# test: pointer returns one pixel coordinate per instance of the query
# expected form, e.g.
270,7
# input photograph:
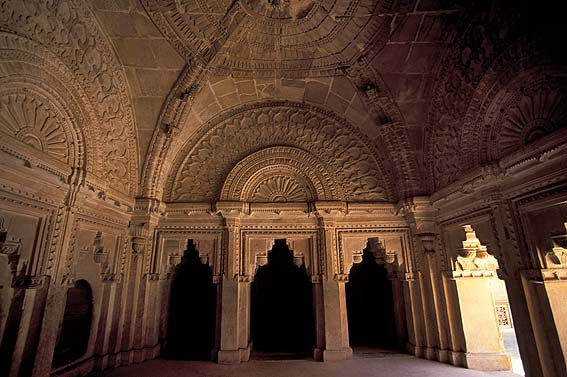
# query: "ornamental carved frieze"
339,154
70,32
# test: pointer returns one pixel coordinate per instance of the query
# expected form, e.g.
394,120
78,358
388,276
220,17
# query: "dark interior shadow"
370,305
282,308
192,310
75,329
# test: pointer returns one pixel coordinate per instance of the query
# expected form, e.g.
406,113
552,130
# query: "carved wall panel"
206,160
70,32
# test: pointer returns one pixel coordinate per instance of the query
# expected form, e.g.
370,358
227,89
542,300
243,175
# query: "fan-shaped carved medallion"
280,189
35,123
531,115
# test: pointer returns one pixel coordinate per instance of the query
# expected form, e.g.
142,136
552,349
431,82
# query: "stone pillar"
336,323
141,277
416,338
546,294
235,305
319,317
477,324
428,241
23,331
334,297
399,312
523,326
433,337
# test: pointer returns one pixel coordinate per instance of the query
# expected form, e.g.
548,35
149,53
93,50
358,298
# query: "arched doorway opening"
370,305
192,309
282,308
75,329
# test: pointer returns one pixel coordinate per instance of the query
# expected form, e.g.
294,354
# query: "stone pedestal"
476,324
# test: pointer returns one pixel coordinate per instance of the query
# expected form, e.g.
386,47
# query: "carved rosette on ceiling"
321,155
263,37
529,115
33,121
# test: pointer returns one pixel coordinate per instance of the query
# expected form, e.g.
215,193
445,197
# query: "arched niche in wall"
281,304
370,304
192,308
371,263
75,329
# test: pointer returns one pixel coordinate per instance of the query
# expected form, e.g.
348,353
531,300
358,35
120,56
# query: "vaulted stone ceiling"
431,88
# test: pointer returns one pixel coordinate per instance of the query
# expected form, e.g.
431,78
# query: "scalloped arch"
280,173
200,169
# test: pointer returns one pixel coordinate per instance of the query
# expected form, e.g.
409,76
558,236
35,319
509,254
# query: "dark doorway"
192,309
370,305
75,329
282,309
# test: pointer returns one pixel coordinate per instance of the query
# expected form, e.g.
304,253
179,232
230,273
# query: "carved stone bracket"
473,256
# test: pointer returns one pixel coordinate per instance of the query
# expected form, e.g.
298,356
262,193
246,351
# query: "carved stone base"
487,361
337,355
443,356
430,353
234,356
318,354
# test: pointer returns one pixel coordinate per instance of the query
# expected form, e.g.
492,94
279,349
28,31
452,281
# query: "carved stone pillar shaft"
473,322
546,294
235,307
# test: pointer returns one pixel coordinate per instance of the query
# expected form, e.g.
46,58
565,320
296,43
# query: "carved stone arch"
516,113
39,84
351,249
258,246
90,64
280,174
393,137
201,167
465,91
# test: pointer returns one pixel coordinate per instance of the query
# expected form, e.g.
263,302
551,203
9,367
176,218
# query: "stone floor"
364,364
